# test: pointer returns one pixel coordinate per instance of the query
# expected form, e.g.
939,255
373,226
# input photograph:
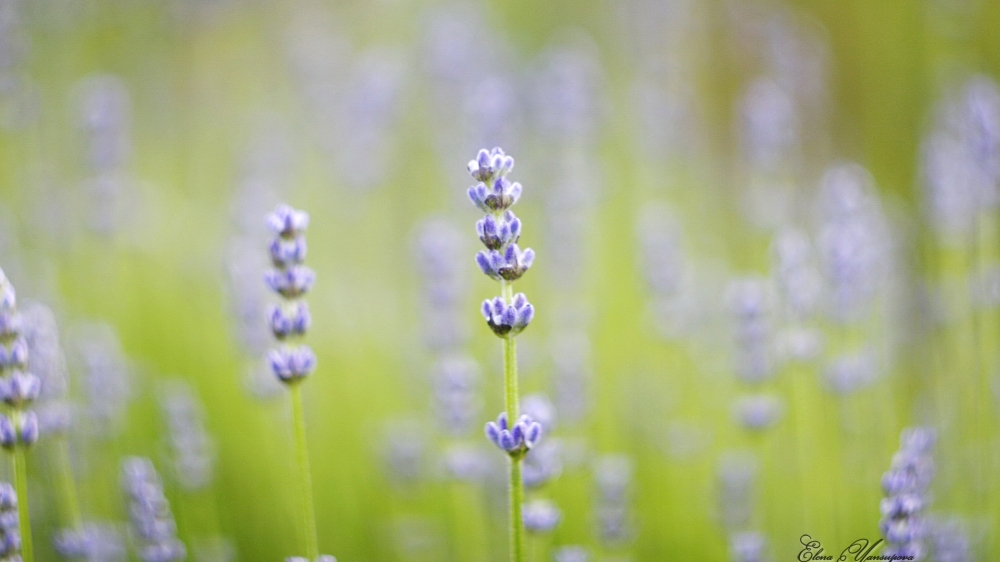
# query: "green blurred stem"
517,552
20,470
305,477
65,473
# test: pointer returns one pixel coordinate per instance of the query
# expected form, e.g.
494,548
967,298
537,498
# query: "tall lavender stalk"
293,361
507,315
18,389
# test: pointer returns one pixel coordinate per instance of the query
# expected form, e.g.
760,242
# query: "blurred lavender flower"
949,540
369,110
105,109
48,362
852,372
906,494
106,376
193,449
152,523
758,412
613,475
798,281
571,554
539,408
541,516
456,394
750,304
515,440
95,542
961,158
737,475
571,376
439,251
853,241
466,463
748,546
10,533
543,463
403,451
567,101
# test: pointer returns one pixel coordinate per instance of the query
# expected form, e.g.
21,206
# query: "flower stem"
65,474
307,512
20,470
517,552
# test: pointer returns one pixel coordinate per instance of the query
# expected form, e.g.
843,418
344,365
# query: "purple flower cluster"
500,230
906,494
10,532
18,388
516,440
152,523
290,279
508,319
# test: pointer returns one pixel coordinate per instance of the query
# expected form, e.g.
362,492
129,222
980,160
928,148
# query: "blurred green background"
143,141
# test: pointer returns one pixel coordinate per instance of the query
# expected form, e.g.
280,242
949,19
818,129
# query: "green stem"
65,473
305,477
517,551
20,470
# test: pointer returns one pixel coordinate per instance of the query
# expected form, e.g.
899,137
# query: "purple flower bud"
11,324
8,434
508,320
292,282
286,252
495,233
20,388
287,222
8,497
291,364
28,430
516,441
291,320
490,165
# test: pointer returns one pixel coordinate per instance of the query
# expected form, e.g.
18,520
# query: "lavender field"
486,281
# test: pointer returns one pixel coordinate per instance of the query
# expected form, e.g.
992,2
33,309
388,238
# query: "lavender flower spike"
508,319
292,362
516,440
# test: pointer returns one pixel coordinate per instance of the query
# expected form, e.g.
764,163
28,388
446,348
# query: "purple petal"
502,420
527,258
533,434
493,433
507,441
509,316
487,310
483,261
519,301
525,315
496,261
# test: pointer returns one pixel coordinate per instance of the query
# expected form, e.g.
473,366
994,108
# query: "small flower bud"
291,364
508,320
516,440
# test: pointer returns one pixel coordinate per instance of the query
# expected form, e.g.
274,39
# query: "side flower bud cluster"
500,231
18,388
152,522
10,531
906,494
291,279
516,440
